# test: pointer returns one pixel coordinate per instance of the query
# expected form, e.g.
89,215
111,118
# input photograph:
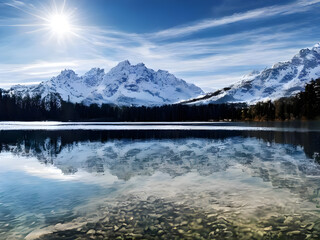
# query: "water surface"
207,180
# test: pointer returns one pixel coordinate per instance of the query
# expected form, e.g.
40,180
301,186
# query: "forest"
304,105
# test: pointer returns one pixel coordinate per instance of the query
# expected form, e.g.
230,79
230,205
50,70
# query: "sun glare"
59,24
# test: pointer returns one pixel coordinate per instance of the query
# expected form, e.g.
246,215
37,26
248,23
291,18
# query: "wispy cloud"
15,3
209,61
208,57
33,73
266,12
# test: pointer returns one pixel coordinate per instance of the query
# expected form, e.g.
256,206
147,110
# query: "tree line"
305,105
17,108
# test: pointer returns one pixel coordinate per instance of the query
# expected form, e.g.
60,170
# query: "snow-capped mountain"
124,84
283,79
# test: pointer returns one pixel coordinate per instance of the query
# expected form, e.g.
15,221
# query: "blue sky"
209,43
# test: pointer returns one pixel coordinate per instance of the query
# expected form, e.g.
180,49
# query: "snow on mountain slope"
283,79
125,84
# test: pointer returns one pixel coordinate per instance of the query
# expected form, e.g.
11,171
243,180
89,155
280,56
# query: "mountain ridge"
283,79
124,85
137,85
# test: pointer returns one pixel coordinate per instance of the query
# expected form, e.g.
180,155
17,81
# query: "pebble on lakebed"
159,219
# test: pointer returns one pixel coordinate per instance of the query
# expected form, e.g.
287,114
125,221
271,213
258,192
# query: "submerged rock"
162,219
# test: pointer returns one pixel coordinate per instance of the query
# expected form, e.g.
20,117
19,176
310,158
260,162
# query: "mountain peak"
95,71
316,47
124,63
283,79
125,84
121,66
67,73
140,65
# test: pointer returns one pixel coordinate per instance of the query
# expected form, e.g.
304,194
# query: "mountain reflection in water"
183,184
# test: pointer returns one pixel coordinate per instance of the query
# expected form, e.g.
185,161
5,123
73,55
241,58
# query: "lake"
159,180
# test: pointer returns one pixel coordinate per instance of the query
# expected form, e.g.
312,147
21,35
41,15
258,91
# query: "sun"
59,24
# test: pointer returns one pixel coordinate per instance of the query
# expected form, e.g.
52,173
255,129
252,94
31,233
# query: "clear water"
212,180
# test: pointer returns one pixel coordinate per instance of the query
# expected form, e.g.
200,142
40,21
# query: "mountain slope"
124,84
283,79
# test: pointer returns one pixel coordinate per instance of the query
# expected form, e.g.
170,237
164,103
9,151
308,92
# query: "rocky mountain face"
125,84
137,85
283,79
